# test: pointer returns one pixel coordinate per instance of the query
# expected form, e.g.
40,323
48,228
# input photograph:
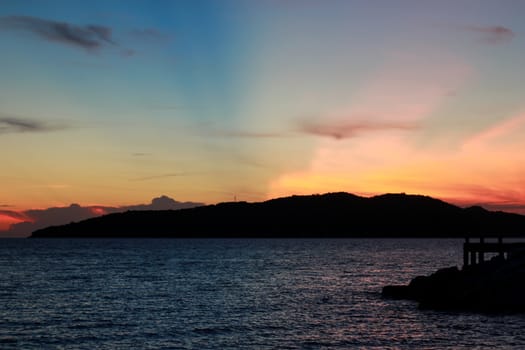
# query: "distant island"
330,215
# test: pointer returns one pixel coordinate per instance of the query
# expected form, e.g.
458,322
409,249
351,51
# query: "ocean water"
231,294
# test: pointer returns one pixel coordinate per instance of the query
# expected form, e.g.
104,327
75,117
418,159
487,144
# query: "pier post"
474,252
473,258
465,252
481,252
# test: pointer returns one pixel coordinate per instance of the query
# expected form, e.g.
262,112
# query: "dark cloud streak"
335,129
14,214
89,37
349,129
22,125
493,34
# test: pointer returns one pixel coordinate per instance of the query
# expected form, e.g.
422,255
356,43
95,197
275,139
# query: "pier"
474,252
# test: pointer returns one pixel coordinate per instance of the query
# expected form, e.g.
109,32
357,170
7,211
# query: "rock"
494,286
397,292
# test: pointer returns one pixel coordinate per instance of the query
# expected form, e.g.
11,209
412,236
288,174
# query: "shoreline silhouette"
492,286
330,215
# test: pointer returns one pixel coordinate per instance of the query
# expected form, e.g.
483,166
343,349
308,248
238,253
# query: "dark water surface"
231,294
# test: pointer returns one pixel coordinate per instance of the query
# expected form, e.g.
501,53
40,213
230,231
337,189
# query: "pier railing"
474,252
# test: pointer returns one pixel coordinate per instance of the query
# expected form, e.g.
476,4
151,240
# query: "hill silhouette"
323,215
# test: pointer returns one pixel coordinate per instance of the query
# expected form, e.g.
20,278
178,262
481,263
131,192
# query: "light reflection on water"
220,294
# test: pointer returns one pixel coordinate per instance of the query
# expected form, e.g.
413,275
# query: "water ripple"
231,294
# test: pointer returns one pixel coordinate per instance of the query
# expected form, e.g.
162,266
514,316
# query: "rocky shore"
497,286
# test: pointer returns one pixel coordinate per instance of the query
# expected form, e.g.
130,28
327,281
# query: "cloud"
335,129
491,199
493,34
163,203
20,125
501,130
510,207
89,37
35,219
348,129
14,214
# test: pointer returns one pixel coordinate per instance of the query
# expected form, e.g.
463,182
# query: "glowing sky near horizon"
117,102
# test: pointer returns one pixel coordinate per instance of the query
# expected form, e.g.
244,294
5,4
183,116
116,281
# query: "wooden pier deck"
474,252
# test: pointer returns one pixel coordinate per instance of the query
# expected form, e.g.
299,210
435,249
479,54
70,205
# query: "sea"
232,294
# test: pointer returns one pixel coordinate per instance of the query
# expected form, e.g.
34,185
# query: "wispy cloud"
88,37
491,199
493,34
334,129
14,214
20,125
348,129
500,130
512,207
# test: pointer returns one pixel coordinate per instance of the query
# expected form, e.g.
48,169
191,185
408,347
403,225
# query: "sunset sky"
112,103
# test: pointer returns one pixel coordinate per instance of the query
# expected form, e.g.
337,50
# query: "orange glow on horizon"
6,221
98,211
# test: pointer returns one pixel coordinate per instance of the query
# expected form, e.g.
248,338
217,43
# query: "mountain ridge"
334,214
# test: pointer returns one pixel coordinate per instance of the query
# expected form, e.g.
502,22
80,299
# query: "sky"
106,104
